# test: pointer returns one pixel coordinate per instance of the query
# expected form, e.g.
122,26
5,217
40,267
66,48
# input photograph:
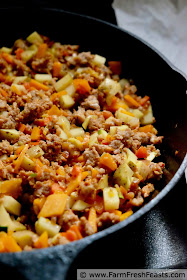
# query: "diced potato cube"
70,90
27,55
131,156
80,205
64,123
18,226
78,144
20,79
23,237
110,86
28,164
11,205
124,82
99,60
124,117
64,82
66,101
148,116
78,131
43,224
93,139
113,129
9,134
143,169
102,133
111,199
123,175
63,135
6,50
86,122
34,38
152,155
103,182
137,113
35,152
6,221
43,77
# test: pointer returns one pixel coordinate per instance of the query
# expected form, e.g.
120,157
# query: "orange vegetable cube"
82,86
54,205
42,241
108,161
11,187
35,134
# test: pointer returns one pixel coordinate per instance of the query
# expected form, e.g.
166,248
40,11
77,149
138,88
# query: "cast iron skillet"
153,75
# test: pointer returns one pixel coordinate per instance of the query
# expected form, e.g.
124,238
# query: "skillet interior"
151,73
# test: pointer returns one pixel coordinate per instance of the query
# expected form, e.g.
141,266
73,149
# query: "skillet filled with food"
78,146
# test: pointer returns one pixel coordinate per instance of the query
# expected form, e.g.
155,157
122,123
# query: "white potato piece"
111,199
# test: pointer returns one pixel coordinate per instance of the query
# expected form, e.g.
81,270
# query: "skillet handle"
46,264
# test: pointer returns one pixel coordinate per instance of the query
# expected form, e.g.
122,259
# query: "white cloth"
162,23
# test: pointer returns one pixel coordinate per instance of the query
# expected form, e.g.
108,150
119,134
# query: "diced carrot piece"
18,53
82,86
126,215
94,173
92,218
3,92
18,150
22,127
84,174
8,57
57,66
142,152
60,171
108,161
73,184
144,100
57,95
56,188
71,235
16,90
54,205
76,229
34,143
76,170
116,212
10,244
35,134
38,204
11,187
19,160
146,128
107,114
80,158
115,67
42,241
41,50
38,85
127,113
2,247
54,111
131,100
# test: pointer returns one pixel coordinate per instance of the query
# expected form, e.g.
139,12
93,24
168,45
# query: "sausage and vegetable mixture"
77,145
